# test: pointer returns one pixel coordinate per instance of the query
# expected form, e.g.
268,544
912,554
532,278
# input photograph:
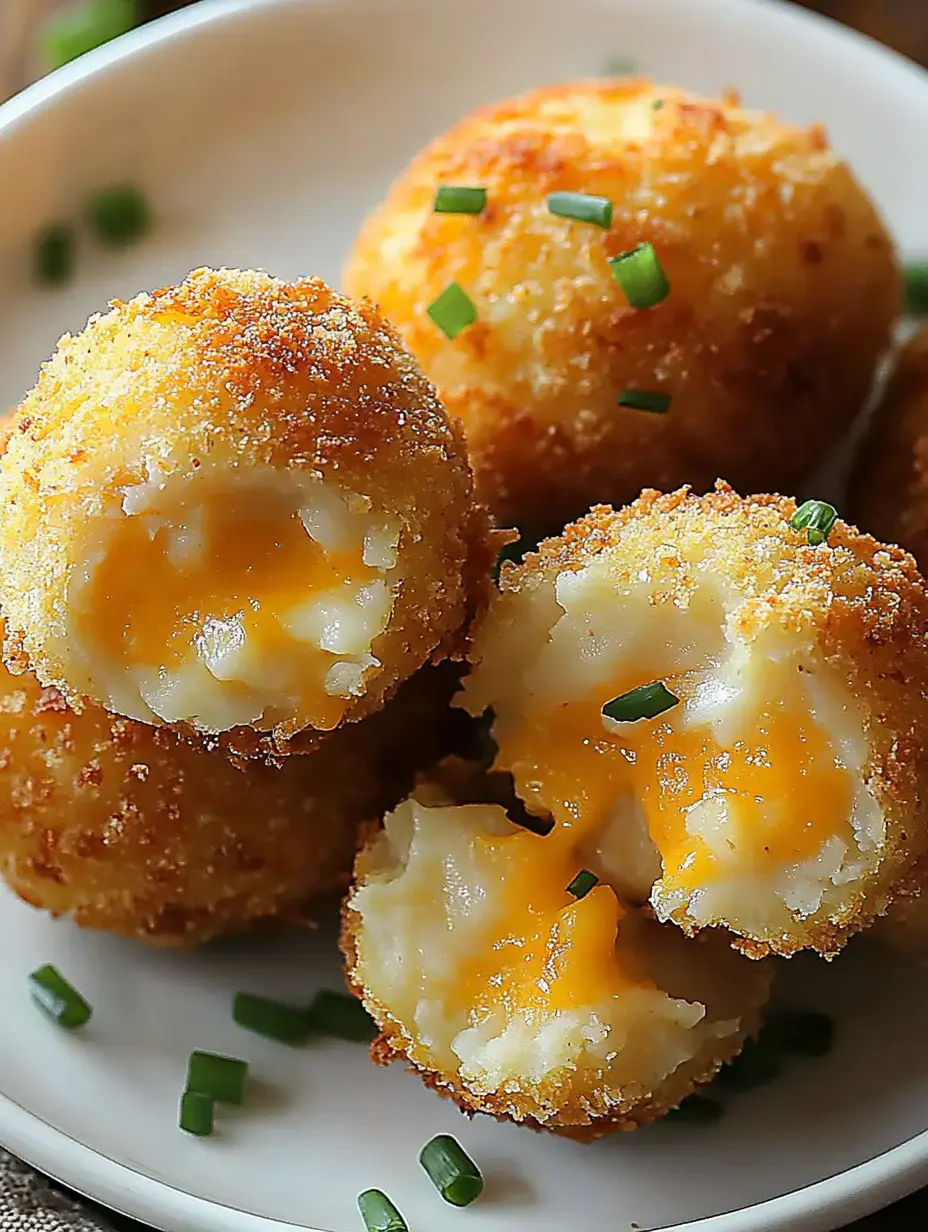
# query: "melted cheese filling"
744,804
222,599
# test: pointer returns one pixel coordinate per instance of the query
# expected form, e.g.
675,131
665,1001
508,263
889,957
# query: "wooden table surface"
902,24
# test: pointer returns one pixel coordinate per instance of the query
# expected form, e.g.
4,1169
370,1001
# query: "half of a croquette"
770,779
236,504
121,826
505,991
783,289
889,487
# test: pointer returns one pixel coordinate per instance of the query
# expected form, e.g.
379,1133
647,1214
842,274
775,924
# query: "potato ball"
889,488
724,719
121,826
558,1008
783,287
235,504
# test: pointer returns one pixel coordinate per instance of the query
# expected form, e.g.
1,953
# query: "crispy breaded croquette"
770,780
121,826
235,504
505,991
783,288
904,927
889,487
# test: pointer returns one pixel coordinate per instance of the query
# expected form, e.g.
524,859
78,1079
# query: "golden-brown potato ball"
783,287
235,504
723,719
121,826
516,997
889,487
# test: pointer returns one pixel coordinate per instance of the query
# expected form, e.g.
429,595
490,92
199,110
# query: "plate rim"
848,1194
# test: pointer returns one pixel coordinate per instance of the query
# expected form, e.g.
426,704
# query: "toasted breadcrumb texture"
784,286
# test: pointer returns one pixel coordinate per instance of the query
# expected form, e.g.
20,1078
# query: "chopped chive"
657,104
451,1170
645,702
581,207
645,400
53,255
582,883
641,276
809,1034
818,518
916,289
118,216
196,1113
453,311
759,1061
221,1078
619,66
696,1110
340,1016
270,1018
455,199
379,1213
70,34
519,815
57,999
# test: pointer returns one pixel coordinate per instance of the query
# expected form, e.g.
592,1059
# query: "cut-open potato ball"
728,721
121,826
235,503
783,288
517,998
889,488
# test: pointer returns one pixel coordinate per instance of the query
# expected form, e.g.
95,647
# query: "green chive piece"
451,1170
818,518
809,1034
340,1016
581,207
582,883
456,199
916,289
657,105
221,1078
53,255
620,66
379,1213
641,276
196,1113
645,702
70,34
57,999
696,1110
453,311
759,1062
645,400
271,1018
118,216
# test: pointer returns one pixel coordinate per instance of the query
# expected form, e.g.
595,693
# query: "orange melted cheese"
147,608
784,790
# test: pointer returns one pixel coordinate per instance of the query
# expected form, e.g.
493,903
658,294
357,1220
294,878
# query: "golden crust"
784,288
865,603
121,827
889,487
248,371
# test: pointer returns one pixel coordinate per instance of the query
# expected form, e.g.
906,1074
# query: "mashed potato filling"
221,598
467,939
744,805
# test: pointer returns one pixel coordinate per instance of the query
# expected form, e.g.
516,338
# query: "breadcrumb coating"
784,286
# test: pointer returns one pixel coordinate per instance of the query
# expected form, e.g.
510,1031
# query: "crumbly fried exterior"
242,370
866,605
889,488
122,827
594,1113
784,286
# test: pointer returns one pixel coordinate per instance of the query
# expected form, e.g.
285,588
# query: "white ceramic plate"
261,133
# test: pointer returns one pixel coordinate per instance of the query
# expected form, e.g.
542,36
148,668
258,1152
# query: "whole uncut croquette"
783,289
724,719
236,506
